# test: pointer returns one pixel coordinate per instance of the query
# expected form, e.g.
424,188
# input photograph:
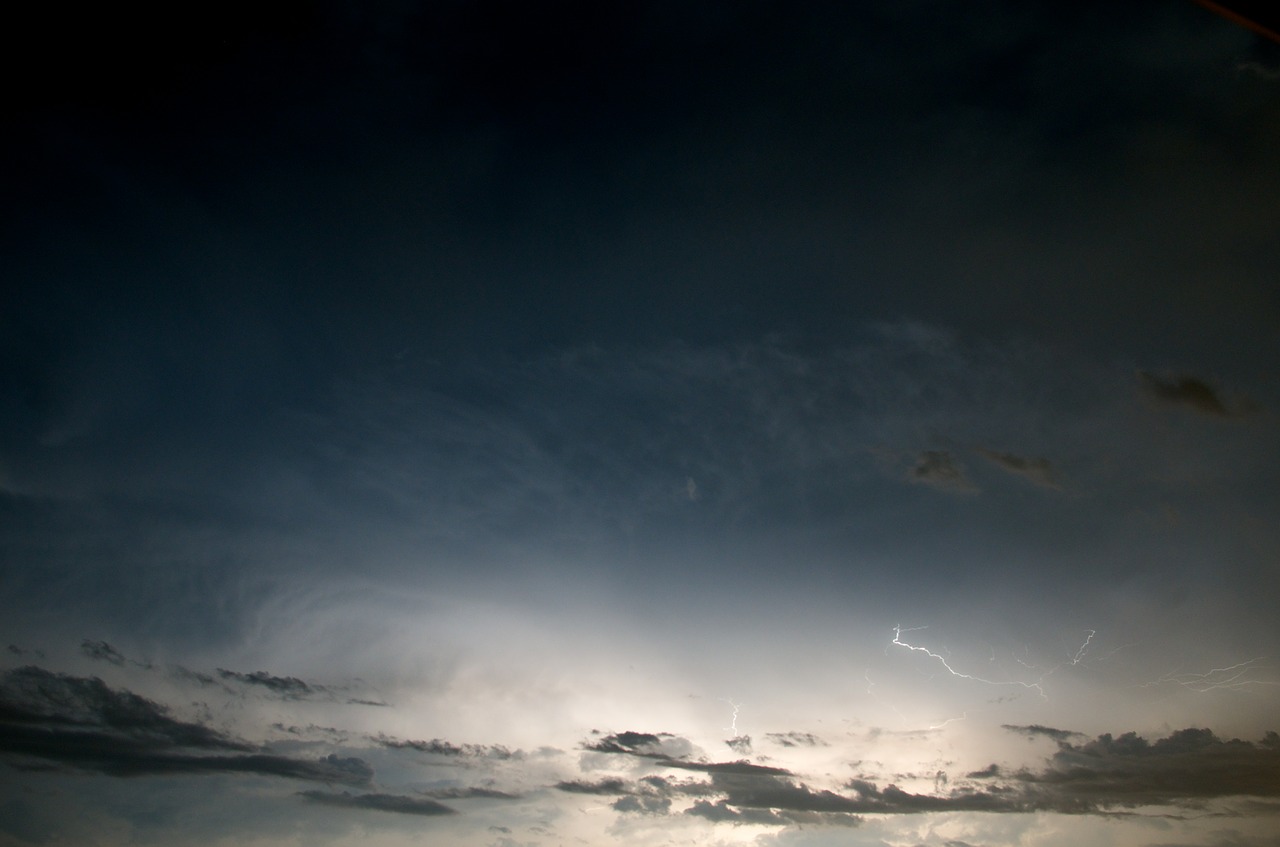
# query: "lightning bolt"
897,640
963,716
1231,678
733,719
1084,646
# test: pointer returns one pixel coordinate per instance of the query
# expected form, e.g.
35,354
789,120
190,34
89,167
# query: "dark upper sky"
541,369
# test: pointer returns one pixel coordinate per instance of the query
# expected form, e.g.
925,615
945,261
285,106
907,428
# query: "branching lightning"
1237,677
897,640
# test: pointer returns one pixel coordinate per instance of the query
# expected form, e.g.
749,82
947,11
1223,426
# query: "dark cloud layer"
1128,770
82,723
439,747
286,687
380,802
1097,776
1034,730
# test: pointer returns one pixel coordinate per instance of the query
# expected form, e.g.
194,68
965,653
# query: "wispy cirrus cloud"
1033,468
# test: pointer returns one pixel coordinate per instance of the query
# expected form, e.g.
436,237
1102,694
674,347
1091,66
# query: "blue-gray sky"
508,424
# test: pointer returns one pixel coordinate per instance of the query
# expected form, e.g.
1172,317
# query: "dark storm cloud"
773,801
32,696
1097,777
1037,470
439,747
397,803
796,739
1128,770
631,743
82,723
740,744
941,470
285,687
1035,730
604,786
312,732
101,651
1180,390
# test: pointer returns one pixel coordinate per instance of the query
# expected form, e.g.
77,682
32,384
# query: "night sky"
522,425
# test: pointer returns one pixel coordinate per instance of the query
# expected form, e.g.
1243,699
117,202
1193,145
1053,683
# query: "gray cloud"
740,744
1037,470
1034,730
941,470
1181,390
286,687
380,802
102,651
440,747
796,739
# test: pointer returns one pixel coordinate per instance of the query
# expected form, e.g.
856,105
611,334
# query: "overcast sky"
528,424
